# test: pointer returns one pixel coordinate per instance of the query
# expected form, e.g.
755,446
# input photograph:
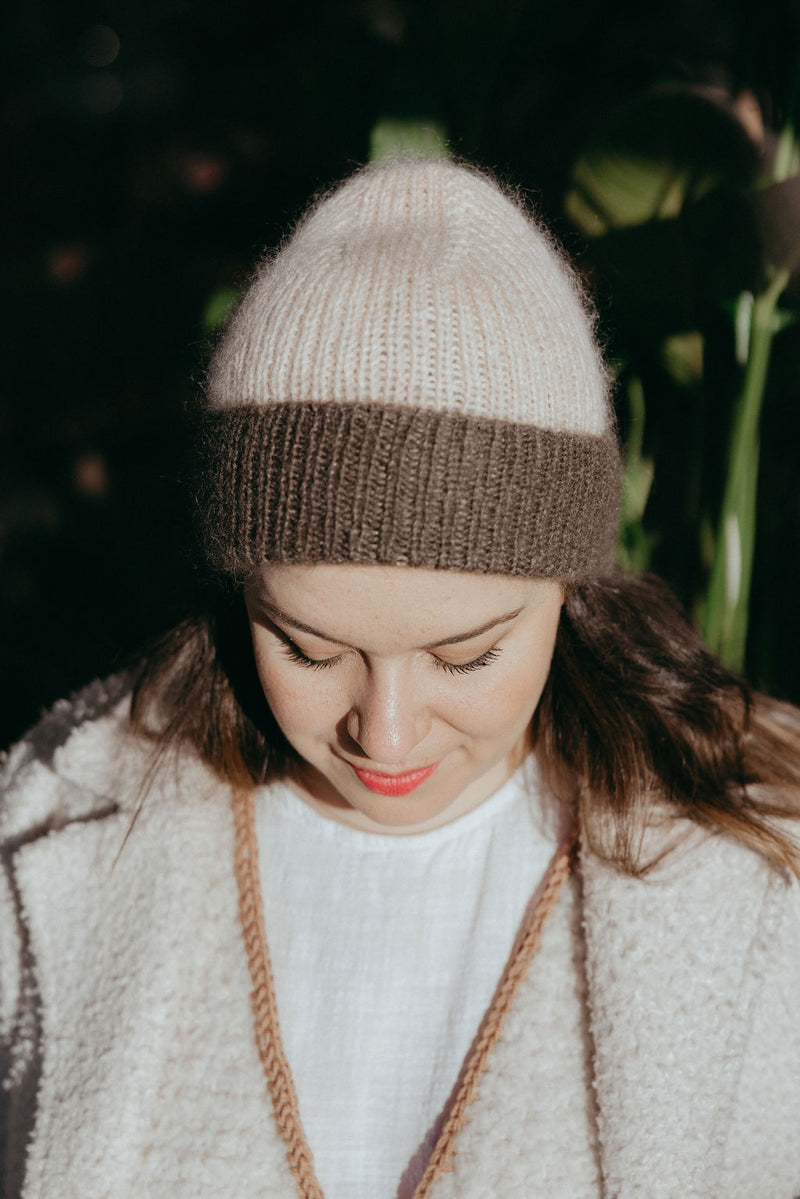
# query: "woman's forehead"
427,605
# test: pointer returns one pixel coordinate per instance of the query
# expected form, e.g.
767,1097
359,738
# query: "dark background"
153,149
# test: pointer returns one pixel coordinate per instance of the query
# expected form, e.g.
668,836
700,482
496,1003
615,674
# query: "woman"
503,856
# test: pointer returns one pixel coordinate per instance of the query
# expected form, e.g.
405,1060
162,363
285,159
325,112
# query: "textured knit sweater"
672,1068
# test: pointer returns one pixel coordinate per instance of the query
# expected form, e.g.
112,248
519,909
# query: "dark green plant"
680,216
758,319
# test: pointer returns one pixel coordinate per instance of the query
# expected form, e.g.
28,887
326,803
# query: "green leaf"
391,136
218,308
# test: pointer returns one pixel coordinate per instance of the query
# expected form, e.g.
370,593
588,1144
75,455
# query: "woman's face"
407,693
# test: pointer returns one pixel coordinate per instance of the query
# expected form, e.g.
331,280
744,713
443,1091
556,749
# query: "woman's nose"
388,718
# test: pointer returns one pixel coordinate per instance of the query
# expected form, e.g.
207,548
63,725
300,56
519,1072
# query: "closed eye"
484,659
295,654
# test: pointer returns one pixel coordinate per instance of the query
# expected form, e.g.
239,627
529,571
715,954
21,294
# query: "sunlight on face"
407,693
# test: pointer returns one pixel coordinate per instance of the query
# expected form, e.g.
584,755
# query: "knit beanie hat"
412,380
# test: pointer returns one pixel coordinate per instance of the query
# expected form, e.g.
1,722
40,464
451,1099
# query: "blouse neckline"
524,785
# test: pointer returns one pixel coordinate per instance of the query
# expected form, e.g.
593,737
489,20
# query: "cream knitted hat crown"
412,380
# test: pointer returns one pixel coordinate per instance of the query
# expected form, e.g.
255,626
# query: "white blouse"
386,950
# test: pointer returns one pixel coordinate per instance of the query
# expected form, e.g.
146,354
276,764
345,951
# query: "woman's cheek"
302,706
482,711
285,705
281,691
285,697
509,704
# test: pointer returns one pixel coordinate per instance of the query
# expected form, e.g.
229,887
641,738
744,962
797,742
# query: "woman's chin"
362,802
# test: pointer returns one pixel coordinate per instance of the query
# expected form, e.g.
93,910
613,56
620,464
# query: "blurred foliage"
668,191
220,304
724,610
157,147
636,543
389,136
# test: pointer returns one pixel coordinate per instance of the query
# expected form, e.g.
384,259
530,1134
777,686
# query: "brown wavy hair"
637,716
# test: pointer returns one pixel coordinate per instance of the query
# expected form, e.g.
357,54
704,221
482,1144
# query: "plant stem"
729,588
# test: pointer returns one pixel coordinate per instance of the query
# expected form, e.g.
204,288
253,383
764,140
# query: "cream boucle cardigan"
127,1029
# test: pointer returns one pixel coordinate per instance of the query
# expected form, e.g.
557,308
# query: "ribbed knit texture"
361,483
413,379
418,283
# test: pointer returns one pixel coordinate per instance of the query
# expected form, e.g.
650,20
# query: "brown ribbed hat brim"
328,482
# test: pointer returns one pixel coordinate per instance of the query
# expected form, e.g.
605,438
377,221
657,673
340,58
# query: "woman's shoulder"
78,761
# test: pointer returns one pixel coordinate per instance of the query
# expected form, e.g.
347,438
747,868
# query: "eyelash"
484,659
296,655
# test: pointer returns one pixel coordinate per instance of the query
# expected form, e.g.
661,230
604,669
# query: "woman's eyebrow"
277,613
484,628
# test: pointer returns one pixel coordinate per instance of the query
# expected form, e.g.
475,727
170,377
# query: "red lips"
393,784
